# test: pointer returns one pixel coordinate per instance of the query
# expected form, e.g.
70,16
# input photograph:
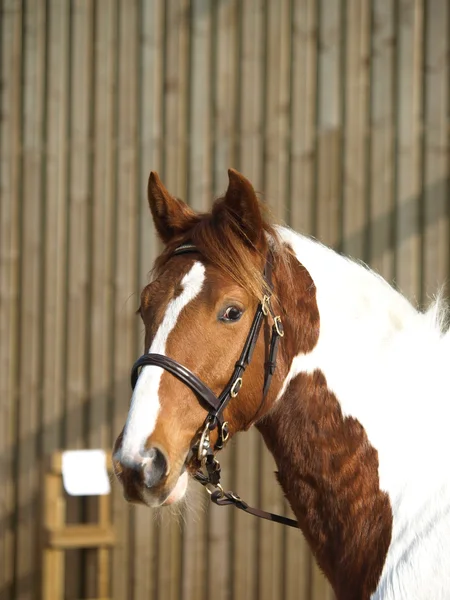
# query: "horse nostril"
155,468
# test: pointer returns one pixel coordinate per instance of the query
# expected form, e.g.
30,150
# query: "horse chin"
178,491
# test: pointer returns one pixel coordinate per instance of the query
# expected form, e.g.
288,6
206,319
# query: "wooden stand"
59,536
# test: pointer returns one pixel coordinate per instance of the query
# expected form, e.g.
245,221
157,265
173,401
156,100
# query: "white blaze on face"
145,403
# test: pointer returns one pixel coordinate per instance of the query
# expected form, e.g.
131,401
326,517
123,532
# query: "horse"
248,323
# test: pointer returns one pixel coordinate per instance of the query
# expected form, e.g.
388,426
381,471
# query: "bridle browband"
216,405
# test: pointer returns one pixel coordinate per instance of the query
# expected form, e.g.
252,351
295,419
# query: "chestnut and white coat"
361,392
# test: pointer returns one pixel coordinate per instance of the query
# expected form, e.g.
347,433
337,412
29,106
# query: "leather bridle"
216,405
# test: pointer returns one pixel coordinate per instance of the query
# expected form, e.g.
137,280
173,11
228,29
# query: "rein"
210,479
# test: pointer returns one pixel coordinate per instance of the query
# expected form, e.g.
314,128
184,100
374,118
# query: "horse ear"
241,200
170,215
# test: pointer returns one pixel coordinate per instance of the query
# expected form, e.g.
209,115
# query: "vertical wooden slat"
79,198
151,126
27,552
329,125
437,142
56,180
243,476
303,114
10,144
78,266
224,92
276,145
277,93
382,172
101,264
355,238
199,178
55,234
126,261
101,267
251,94
53,558
409,151
176,82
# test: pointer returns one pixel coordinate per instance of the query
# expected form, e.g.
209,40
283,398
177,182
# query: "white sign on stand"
84,473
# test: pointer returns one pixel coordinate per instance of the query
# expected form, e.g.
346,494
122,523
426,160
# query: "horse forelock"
221,241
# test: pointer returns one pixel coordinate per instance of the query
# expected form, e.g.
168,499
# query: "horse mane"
222,241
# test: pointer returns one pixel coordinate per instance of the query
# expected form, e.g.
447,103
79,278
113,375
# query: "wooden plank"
102,235
199,176
276,189
327,226
224,115
409,151
125,266
176,86
28,459
100,268
194,550
55,236
10,146
79,254
79,198
151,128
56,181
277,94
104,555
303,115
54,509
437,142
80,536
356,98
382,165
251,93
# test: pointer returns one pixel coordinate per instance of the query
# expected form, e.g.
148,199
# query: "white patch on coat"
145,403
388,366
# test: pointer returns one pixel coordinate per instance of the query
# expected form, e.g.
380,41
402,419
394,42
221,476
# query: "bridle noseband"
217,404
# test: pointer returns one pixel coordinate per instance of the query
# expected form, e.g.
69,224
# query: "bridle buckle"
235,389
204,443
278,326
265,304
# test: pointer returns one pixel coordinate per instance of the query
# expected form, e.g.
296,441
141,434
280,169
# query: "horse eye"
232,313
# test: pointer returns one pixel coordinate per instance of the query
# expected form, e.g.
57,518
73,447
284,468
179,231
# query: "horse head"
198,311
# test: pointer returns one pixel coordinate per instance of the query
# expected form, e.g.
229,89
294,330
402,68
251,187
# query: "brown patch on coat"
329,473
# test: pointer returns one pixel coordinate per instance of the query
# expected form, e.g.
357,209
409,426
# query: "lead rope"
222,498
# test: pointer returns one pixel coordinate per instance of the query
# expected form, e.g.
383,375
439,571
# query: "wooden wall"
337,110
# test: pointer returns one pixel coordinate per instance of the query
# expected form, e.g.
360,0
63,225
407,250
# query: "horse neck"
331,424
328,473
